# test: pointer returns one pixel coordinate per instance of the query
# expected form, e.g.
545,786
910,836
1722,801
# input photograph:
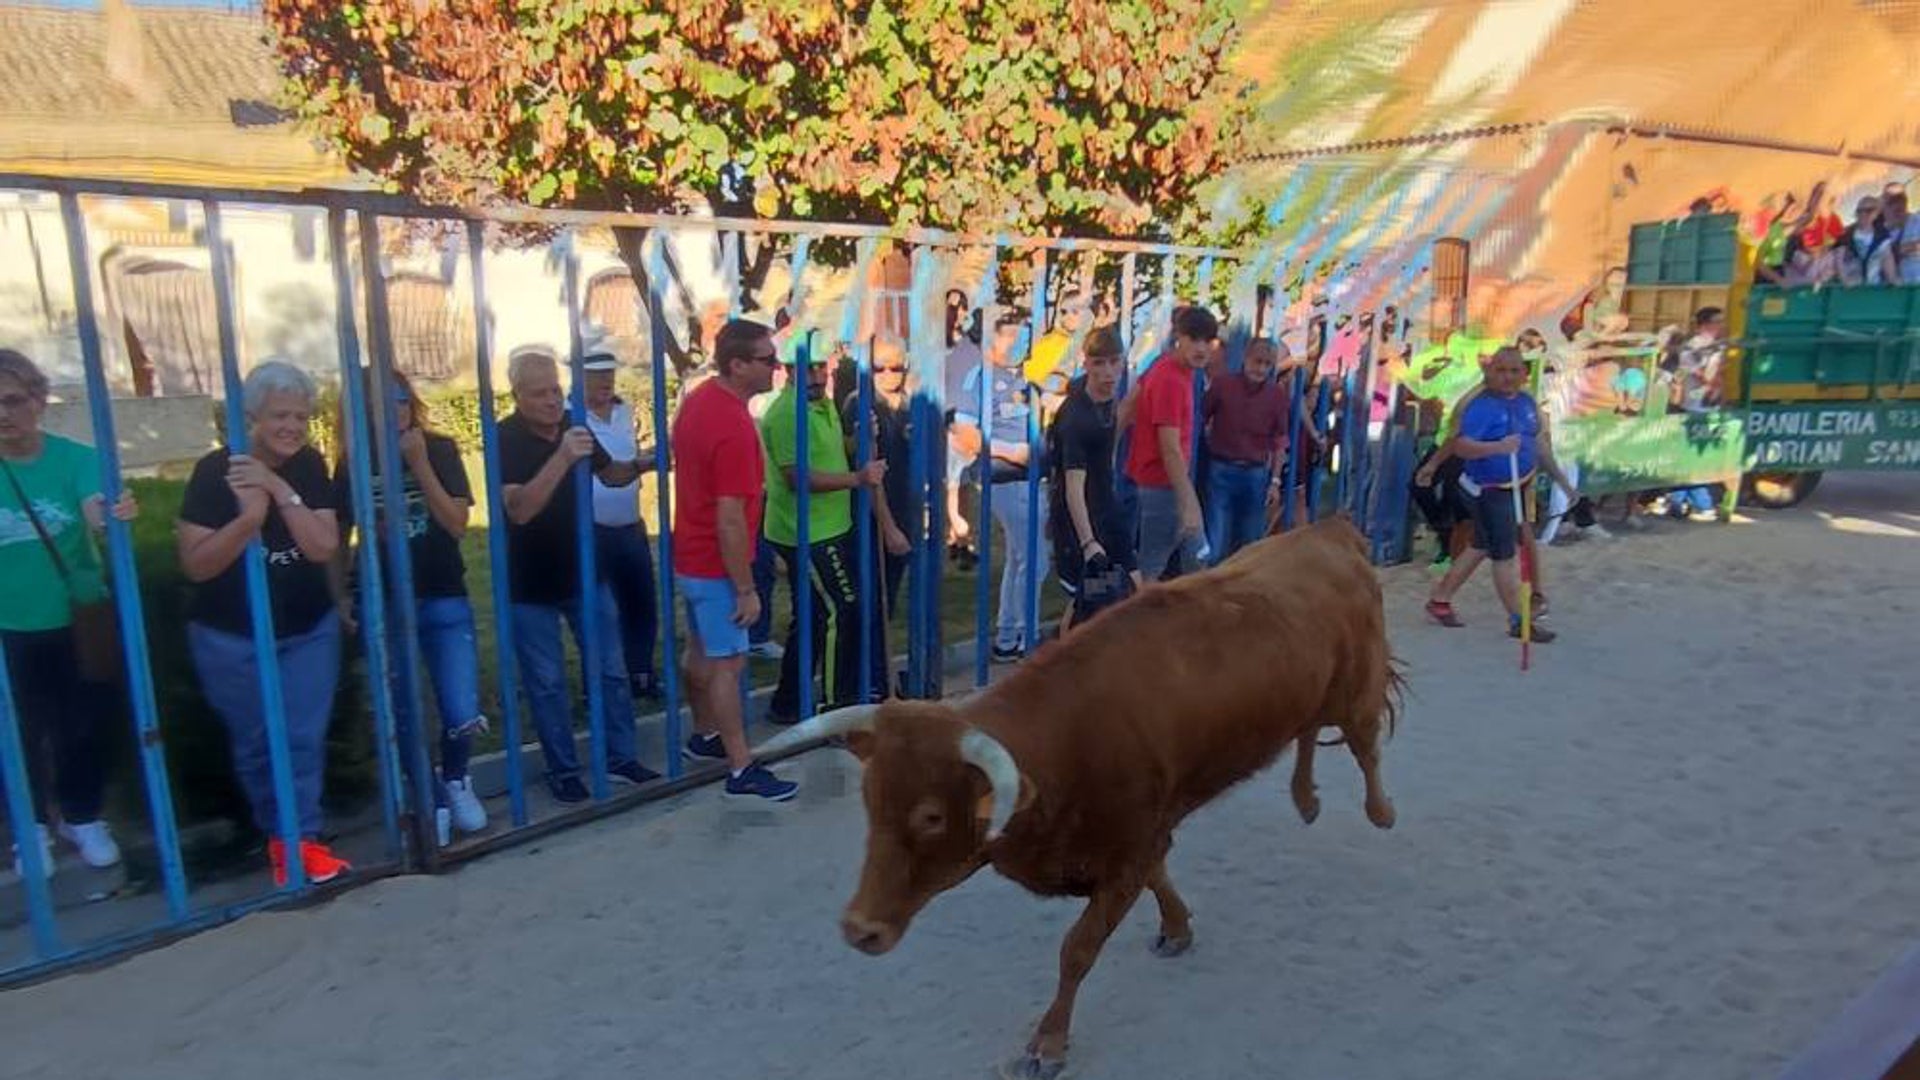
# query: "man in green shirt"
833,551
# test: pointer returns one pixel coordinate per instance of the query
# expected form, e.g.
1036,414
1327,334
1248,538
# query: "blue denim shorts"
710,606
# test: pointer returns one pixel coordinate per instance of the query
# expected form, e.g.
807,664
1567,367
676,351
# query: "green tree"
1084,117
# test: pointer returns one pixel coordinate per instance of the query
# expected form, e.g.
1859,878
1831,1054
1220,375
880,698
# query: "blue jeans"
1014,511
1236,506
626,559
229,675
1160,539
1699,499
450,652
536,632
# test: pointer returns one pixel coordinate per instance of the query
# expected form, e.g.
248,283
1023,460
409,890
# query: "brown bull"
1070,775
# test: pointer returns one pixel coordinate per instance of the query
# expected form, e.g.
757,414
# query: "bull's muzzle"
870,937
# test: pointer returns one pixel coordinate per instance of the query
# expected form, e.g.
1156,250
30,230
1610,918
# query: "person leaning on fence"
832,566
892,446
1092,540
621,546
1158,457
1246,417
1499,427
439,499
50,626
719,484
1011,399
538,452
279,493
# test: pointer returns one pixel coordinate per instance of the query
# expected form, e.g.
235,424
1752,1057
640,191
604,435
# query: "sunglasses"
15,401
894,369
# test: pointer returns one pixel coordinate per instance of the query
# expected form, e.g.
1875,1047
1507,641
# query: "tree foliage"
1082,117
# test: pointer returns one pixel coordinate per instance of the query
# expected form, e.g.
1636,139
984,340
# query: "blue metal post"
662,468
259,603
983,302
862,453
928,467
26,834
1296,424
863,515
591,647
373,596
803,538
1031,594
504,656
126,576
386,444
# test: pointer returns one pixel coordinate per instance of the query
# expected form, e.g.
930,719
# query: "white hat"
596,350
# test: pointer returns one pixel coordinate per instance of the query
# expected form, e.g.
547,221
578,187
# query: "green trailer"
1829,379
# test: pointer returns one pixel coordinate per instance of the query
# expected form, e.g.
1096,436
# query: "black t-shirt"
543,555
438,569
1082,438
296,588
892,443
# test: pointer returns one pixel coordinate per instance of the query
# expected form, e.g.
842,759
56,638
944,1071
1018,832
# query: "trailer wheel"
1777,490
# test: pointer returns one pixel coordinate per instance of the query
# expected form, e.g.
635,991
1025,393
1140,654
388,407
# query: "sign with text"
1639,453
1801,438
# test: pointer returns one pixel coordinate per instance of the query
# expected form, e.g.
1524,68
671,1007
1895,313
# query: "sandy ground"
1675,849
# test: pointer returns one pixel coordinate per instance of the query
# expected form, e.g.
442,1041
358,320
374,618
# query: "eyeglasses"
898,369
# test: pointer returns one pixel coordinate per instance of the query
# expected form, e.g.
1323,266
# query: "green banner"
1635,453
1826,435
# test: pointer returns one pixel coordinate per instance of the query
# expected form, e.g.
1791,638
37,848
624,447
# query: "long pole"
1526,568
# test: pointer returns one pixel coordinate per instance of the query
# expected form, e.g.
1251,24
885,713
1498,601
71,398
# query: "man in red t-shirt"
1159,456
718,475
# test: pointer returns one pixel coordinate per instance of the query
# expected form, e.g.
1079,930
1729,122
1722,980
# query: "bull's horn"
824,726
984,752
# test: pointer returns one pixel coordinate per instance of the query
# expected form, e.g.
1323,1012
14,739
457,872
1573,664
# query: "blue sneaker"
704,746
759,782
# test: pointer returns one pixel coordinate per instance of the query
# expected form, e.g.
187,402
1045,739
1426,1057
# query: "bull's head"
937,792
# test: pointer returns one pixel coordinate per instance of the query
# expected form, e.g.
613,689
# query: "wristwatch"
294,499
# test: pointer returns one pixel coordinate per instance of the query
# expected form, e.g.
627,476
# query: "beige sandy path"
1675,849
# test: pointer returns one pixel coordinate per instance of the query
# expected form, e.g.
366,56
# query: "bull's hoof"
1381,813
1309,808
1170,945
1033,1067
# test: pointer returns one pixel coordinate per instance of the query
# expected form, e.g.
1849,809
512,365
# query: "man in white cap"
620,538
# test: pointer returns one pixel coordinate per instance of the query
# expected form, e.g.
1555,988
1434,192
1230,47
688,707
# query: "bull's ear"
861,743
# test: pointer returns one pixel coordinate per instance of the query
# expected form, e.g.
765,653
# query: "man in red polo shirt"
1159,456
718,486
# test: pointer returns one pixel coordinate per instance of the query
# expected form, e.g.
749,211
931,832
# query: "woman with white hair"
49,497
277,492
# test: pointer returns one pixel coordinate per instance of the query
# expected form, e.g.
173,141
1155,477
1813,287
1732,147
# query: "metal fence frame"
385,564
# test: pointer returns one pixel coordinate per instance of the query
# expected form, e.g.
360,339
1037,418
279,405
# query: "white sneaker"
46,856
768,650
469,813
1598,531
95,842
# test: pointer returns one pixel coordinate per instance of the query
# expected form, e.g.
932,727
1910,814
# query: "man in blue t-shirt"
1498,429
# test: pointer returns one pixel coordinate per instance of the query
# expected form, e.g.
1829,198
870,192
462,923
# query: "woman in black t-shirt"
278,494
438,499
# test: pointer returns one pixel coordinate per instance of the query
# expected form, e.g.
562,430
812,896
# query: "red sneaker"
316,859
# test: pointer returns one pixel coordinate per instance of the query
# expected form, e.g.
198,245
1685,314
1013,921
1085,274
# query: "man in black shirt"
538,451
1092,543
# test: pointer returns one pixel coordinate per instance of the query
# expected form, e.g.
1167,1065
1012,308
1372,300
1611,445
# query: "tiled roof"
193,66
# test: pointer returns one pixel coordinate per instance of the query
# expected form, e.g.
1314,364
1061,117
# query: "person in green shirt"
50,506
833,551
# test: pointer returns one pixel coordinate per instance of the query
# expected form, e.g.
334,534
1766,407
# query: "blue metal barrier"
385,574
984,303
504,657
1030,592
386,443
373,594
128,604
254,559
